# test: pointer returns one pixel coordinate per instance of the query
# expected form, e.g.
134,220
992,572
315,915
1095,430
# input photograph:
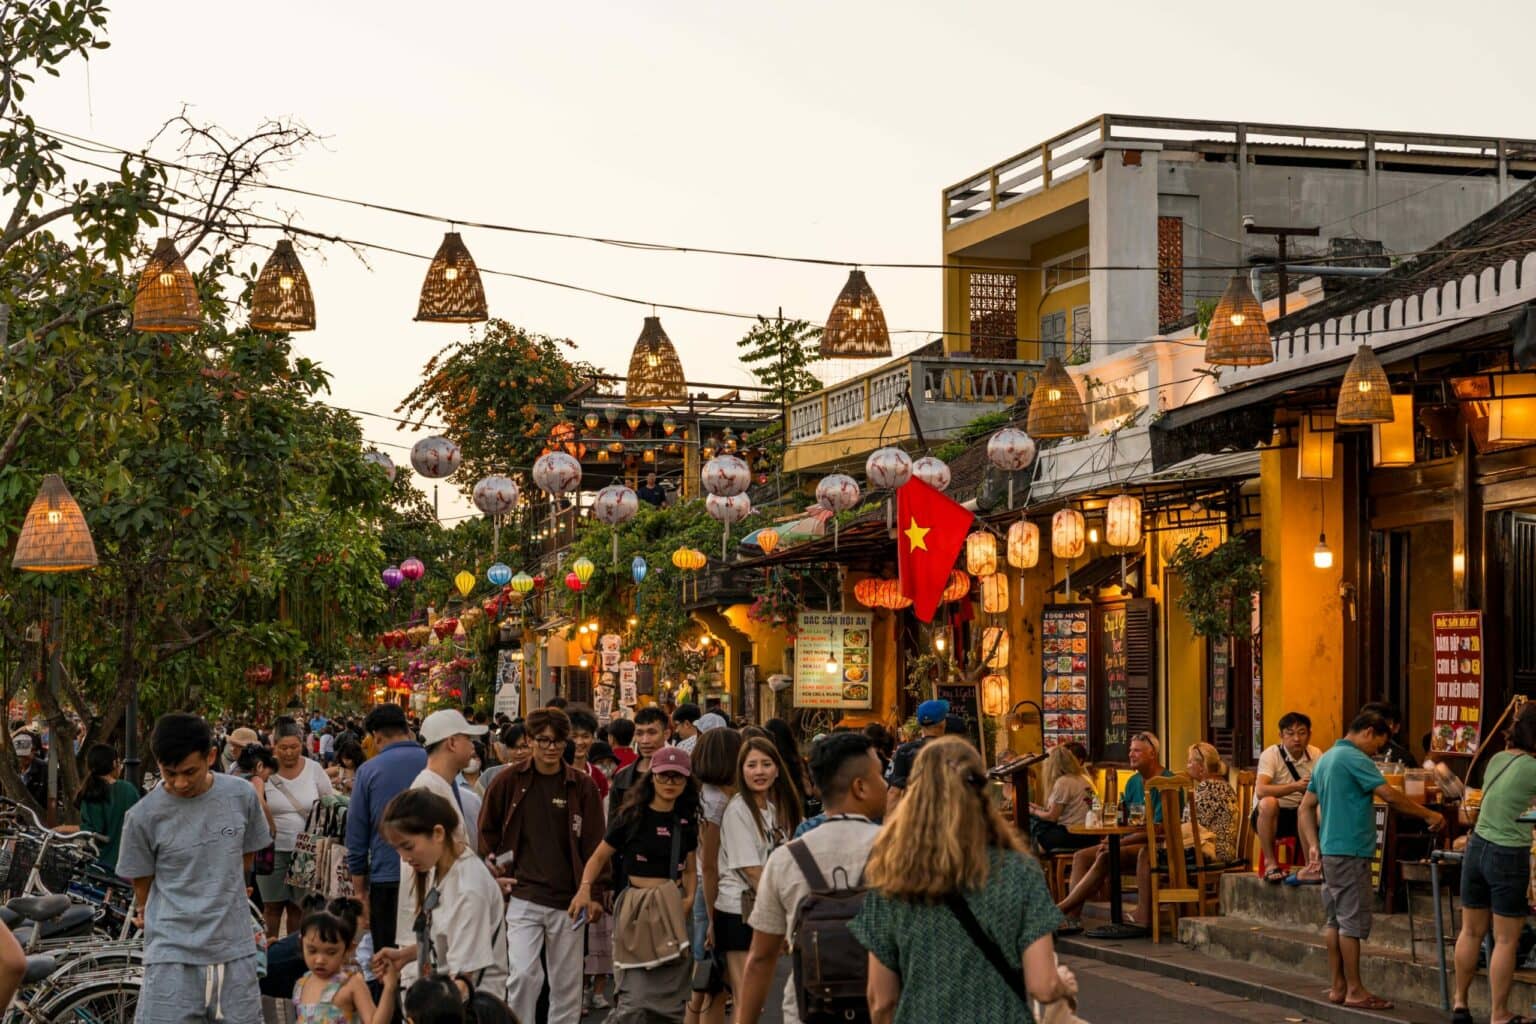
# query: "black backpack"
830,968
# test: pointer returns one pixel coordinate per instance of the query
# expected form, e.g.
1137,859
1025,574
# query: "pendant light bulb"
938,643
1322,555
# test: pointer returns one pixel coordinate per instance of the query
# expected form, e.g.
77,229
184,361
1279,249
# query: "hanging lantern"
1023,545
435,457
632,421
867,592
556,473
725,475
680,558
931,471
382,461
888,468
855,329
994,593
54,536
655,372
465,581
649,455
1392,443
1011,450
838,492
1122,522
392,578
452,293
957,587
573,581
611,414
522,583
602,455
728,509
1314,447
697,559
413,569
616,447
281,299
981,553
1056,406
994,647
1068,531
495,495
615,505
166,300
638,569
1365,396
668,426
1512,412
1238,335
498,574
590,419
583,568
539,582
994,695
767,539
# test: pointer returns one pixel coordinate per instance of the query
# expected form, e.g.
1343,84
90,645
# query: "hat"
244,736
385,717
601,751
711,721
440,725
22,744
932,712
671,759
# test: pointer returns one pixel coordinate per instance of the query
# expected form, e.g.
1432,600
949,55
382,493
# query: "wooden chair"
1174,882
1211,879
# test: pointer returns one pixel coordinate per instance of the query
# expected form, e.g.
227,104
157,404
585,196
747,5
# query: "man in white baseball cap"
448,737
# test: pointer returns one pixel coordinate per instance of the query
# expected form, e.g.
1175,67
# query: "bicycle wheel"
98,1002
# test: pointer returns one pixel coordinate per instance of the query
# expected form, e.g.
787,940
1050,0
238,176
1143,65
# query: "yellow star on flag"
917,536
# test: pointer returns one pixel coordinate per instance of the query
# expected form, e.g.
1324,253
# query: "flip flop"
1274,876
1373,1003
1461,1015
1296,879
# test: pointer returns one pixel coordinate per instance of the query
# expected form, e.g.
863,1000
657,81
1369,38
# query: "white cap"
440,725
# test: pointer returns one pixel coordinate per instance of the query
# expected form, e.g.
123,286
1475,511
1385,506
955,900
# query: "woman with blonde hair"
948,883
1215,808
1069,793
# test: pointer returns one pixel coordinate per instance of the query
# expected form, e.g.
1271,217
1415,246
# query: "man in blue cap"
931,716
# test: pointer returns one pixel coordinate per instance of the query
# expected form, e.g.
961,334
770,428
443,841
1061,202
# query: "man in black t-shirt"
931,716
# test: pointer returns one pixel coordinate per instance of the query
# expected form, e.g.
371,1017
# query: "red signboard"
1458,640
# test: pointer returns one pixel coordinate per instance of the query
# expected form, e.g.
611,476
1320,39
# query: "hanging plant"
1218,585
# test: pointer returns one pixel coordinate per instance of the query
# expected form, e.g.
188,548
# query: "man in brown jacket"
537,829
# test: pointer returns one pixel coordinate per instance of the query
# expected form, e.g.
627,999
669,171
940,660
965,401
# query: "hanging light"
994,593
981,553
522,583
767,539
855,328
54,536
958,586
583,568
1122,521
655,372
1314,447
832,665
166,300
602,455
452,293
465,581
994,695
1322,555
668,426
1513,418
1023,545
1067,532
1238,335
1056,406
1392,443
1366,394
590,419
939,642
650,455
650,417
632,421
281,299
994,647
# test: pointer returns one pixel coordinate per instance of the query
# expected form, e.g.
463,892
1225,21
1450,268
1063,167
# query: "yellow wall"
1029,301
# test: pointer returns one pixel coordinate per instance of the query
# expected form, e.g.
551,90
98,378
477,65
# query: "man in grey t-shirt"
187,847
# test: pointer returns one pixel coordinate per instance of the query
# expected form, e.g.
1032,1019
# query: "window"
1065,271
1053,336
994,305
1079,350
1170,270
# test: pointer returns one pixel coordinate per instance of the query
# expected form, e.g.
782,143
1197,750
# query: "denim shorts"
1495,877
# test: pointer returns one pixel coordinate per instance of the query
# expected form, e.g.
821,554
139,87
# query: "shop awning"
1102,572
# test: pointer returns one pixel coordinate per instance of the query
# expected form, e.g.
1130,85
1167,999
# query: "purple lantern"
392,577
412,569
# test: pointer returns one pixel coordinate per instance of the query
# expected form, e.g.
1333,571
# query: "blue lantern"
638,569
498,574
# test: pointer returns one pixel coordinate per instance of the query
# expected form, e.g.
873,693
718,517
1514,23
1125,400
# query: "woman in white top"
764,813
287,796
1070,792
465,928
714,765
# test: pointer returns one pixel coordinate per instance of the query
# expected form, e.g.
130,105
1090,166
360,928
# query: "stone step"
1248,898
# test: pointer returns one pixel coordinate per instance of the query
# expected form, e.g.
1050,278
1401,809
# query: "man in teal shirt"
1344,783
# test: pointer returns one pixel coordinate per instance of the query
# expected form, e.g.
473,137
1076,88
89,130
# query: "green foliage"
1218,585
779,354
1204,310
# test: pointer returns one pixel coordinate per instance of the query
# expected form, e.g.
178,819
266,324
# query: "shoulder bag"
1062,1011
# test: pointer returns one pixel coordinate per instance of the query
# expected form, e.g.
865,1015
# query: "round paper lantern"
994,593
495,495
867,592
838,492
1010,450
767,539
981,554
1122,521
994,647
680,558
435,457
994,695
412,569
392,578
382,461
725,476
573,581
522,583
615,504
933,472
728,509
638,569
1023,545
888,468
1068,533
583,568
498,574
958,586
896,600
556,473
465,581
697,559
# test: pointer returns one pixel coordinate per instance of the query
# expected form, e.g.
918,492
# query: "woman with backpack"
957,920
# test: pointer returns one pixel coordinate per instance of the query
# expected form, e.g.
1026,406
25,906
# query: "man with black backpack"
812,887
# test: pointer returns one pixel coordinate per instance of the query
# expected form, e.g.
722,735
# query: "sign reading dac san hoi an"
1458,643
832,660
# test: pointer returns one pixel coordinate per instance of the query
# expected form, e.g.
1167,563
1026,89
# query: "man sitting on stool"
1284,771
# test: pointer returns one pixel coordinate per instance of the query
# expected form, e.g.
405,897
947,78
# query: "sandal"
1373,1003
1461,1015
1274,875
1070,926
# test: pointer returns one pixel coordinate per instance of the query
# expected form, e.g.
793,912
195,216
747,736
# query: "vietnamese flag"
930,530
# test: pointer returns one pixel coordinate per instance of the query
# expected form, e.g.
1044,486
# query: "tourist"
602,757
332,991
1215,810
583,735
1344,782
349,758
761,816
884,741
621,737
945,856
650,493
1284,771
794,765
650,735
373,863
237,742
449,740
32,769
654,836
288,796
1496,871
187,847
714,769
540,826
847,772
931,715
1070,793
685,720
512,750
1395,750
103,801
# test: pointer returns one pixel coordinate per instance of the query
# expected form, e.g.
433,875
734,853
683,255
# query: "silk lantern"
413,569
495,495
1068,533
867,592
392,578
838,492
768,539
957,587
931,471
887,469
435,457
556,473
573,581
1122,521
994,647
638,569
522,583
615,505
994,593
583,568
1011,450
465,581
981,554
727,510
498,574
725,476
382,461
1023,544
994,695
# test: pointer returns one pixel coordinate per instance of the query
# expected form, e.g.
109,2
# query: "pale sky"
808,128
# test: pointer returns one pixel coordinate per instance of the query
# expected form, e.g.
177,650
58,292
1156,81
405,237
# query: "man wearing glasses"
539,825
1284,771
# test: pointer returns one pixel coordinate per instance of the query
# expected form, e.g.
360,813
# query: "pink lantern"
495,495
412,569
888,468
726,476
931,471
435,457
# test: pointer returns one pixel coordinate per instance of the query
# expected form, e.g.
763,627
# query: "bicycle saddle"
40,908
38,968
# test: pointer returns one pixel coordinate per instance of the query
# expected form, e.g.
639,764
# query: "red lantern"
325,687
573,581
444,628
540,582
867,592
959,586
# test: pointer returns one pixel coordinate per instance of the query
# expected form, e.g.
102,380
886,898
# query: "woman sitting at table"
1070,793
1215,809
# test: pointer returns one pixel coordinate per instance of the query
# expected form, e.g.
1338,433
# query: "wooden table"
1117,928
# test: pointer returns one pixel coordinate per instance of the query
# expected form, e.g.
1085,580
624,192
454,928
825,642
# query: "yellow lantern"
1392,443
994,647
680,558
981,554
700,559
465,581
994,695
994,593
1122,521
1023,545
583,567
768,539
1067,533
1513,419
522,583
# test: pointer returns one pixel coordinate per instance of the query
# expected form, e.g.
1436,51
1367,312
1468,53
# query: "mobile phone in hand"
581,920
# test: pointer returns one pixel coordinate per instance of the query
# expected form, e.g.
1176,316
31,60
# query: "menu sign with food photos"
1458,638
833,660
1064,659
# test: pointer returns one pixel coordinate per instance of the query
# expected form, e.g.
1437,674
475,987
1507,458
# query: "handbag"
1060,1011
306,868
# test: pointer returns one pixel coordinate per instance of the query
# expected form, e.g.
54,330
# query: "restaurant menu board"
1458,640
839,639
1117,718
1221,682
1064,690
509,683
962,703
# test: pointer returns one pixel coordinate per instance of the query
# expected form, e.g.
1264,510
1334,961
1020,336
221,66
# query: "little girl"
334,992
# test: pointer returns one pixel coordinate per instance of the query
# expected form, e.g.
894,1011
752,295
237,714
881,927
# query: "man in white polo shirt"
1284,771
448,737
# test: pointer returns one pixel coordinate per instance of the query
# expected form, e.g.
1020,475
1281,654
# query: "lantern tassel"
889,521
615,548
1010,490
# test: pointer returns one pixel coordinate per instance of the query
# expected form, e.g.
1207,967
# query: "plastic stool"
1285,851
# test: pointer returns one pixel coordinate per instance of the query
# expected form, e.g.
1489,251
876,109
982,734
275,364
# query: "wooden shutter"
1141,665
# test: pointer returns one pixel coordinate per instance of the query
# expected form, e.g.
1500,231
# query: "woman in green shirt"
104,800
944,850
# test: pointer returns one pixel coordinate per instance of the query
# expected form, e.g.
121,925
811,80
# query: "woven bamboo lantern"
994,593
994,647
1056,407
958,586
655,371
1238,335
1023,545
1068,532
282,300
166,301
452,293
1365,397
981,554
994,695
1122,521
855,328
54,536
